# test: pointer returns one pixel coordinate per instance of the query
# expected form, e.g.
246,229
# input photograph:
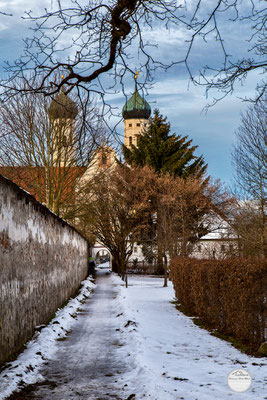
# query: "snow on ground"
104,266
43,345
170,357
179,359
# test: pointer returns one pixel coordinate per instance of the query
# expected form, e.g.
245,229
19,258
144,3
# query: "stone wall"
42,262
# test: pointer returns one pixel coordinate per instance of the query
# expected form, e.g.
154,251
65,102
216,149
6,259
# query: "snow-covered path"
133,344
90,362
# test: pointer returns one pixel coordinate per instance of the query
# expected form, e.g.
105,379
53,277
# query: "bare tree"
188,209
249,155
46,146
123,203
250,162
116,210
89,40
250,226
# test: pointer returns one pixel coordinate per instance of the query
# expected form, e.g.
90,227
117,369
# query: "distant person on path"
91,266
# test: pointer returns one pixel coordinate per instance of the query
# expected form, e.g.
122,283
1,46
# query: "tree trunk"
115,265
160,266
126,279
165,284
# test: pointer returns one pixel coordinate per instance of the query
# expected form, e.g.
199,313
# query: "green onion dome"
136,107
62,106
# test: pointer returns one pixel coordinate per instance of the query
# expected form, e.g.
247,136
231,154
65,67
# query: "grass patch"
244,347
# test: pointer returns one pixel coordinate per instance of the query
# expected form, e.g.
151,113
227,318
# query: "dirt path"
90,363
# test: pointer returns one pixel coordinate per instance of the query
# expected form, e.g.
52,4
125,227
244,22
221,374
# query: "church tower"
136,113
62,114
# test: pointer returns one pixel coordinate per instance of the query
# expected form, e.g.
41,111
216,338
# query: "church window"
104,158
64,141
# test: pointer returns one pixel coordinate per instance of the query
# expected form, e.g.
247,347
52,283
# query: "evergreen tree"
165,152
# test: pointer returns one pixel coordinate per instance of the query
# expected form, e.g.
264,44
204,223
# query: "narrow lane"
90,363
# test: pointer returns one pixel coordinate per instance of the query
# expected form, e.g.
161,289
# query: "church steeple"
62,106
136,107
62,113
135,112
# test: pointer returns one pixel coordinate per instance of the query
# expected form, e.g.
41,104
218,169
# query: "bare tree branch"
250,162
46,146
86,42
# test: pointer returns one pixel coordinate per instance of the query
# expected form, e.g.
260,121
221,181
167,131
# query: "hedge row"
229,295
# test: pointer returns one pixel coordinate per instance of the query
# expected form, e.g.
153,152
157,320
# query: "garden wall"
229,295
42,262
142,268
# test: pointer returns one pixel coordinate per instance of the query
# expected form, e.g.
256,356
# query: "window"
135,249
231,247
145,124
103,158
130,140
130,125
65,141
199,248
223,247
138,124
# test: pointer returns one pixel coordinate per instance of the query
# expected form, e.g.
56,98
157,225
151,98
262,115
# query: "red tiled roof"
32,179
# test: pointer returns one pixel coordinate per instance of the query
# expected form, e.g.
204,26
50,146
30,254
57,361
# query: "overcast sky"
183,104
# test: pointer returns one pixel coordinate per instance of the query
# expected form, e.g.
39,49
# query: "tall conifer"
165,152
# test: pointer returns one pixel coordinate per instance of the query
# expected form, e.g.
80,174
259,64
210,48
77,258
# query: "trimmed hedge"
228,295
